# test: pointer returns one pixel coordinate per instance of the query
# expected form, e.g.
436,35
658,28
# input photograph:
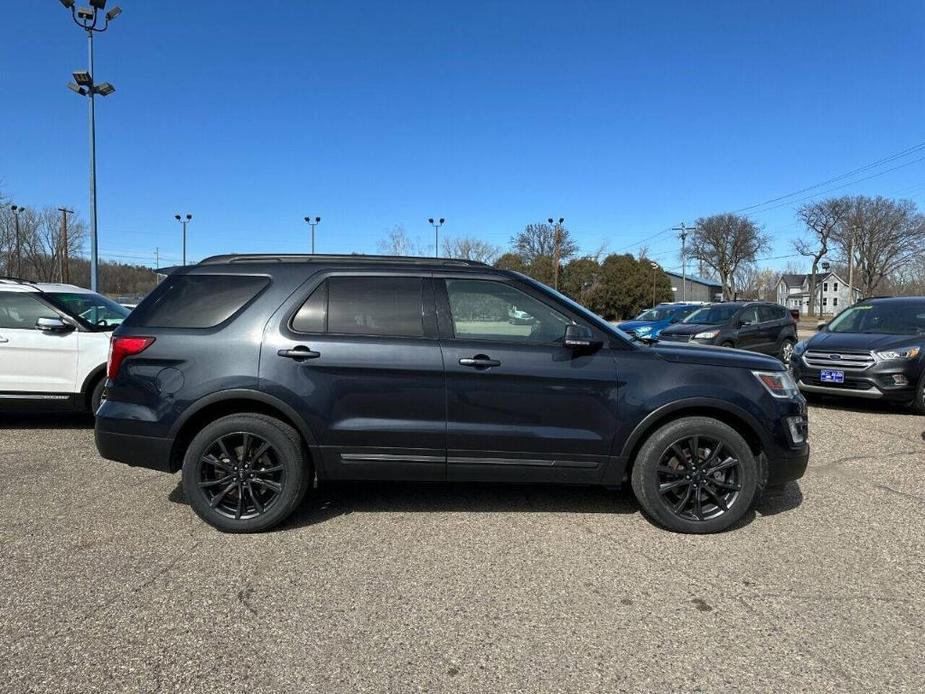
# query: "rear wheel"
696,475
785,354
245,473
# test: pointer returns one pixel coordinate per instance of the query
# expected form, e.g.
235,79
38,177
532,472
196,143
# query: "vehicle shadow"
859,405
45,420
335,499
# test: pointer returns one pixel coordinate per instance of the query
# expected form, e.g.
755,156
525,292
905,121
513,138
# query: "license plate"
832,376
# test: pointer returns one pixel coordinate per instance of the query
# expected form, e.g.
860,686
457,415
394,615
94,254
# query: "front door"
749,332
32,361
520,406
358,357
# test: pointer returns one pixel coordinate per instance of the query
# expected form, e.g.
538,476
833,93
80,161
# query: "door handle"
479,361
299,353
3,339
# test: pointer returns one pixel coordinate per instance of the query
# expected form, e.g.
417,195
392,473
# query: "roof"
792,280
18,285
694,278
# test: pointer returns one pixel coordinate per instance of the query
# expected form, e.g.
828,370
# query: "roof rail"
324,257
17,280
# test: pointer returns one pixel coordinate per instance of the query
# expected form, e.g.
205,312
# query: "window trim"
428,318
445,316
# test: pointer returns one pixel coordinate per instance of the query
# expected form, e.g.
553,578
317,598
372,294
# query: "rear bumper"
139,451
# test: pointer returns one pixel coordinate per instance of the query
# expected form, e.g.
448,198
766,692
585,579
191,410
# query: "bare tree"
398,243
723,242
470,248
539,241
756,283
822,220
881,238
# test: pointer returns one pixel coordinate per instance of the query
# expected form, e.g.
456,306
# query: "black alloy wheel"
697,475
246,472
699,478
240,475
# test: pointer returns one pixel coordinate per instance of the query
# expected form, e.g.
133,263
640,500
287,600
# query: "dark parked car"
874,349
258,375
752,325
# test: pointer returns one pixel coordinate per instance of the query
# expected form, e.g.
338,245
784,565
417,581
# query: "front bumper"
788,466
875,382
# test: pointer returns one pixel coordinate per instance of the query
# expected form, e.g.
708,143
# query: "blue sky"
626,118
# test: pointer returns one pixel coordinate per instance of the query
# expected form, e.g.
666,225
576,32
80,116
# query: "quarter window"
487,310
18,310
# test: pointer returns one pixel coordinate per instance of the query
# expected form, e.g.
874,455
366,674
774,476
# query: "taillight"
122,347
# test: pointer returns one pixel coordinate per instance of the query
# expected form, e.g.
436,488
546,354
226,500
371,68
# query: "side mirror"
821,326
53,325
579,337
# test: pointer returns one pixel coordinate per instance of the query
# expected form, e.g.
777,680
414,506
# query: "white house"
831,293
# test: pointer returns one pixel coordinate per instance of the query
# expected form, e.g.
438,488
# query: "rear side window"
766,314
197,301
390,306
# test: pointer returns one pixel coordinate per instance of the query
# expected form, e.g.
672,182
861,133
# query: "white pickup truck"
54,342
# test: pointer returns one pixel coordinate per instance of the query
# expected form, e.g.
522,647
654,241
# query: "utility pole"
436,224
682,234
65,271
654,268
157,257
854,231
313,223
557,253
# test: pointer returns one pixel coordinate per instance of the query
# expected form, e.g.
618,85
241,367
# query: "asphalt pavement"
112,584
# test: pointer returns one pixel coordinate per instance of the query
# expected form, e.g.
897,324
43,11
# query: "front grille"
674,337
849,361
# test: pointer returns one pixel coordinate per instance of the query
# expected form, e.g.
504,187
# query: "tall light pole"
557,249
64,249
654,268
436,224
313,222
184,222
16,210
682,234
87,18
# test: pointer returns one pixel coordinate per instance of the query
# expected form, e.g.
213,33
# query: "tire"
918,405
659,463
96,396
727,345
785,353
249,498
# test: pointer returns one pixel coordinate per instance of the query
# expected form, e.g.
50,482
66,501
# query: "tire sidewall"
96,396
289,453
645,477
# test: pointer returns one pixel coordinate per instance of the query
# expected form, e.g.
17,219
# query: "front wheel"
245,473
696,475
918,405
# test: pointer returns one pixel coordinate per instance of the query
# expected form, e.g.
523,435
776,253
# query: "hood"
636,324
860,342
689,328
692,353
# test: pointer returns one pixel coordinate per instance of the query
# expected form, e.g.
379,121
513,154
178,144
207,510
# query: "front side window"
91,308
487,310
712,315
389,306
19,311
749,316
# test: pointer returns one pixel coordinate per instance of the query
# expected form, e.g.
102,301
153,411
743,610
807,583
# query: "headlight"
780,384
706,335
643,330
899,353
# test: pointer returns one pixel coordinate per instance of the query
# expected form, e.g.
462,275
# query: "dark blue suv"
260,376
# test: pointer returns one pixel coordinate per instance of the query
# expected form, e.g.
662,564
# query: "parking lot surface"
111,583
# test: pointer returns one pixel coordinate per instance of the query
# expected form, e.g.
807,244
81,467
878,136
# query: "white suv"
54,341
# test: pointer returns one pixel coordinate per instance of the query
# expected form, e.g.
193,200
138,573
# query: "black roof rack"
324,258
18,280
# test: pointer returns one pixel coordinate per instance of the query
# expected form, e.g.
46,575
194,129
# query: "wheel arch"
737,418
90,381
237,401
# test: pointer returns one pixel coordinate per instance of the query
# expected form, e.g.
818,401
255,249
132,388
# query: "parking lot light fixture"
83,78
436,224
104,89
184,221
313,222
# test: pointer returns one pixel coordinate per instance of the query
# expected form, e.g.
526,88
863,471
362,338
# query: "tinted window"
91,308
375,306
749,316
766,314
905,318
486,310
197,301
719,314
19,310
313,313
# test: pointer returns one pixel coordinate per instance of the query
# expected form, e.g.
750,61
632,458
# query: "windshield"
654,314
713,315
92,309
885,318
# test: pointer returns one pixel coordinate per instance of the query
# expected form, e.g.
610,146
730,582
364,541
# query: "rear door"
34,362
520,406
769,328
357,355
